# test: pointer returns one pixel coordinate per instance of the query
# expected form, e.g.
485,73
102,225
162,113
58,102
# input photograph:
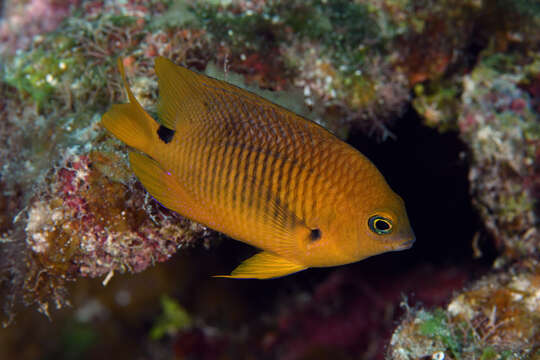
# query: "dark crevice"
429,170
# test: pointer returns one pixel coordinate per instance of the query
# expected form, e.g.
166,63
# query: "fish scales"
297,184
256,154
260,174
254,161
225,175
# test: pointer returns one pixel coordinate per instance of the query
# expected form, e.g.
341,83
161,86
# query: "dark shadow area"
429,170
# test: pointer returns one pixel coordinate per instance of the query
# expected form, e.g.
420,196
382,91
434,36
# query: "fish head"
379,226
385,226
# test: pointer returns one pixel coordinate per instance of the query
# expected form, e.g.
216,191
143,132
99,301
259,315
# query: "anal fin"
159,183
264,265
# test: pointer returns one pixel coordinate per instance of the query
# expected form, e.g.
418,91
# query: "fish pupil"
165,134
382,225
315,235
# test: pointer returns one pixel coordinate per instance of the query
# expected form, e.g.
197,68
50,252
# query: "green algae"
76,339
435,325
342,26
69,68
241,30
178,13
348,31
495,318
40,72
438,104
173,319
489,353
435,333
528,9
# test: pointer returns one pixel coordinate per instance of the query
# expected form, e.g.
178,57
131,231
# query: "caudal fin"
129,122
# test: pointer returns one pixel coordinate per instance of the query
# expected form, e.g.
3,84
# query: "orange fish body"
239,164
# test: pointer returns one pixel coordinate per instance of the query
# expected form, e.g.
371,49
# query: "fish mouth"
405,245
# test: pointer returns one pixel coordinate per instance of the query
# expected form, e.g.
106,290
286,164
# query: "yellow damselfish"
239,164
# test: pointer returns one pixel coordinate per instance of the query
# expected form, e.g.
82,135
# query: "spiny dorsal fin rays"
129,122
131,97
183,94
178,92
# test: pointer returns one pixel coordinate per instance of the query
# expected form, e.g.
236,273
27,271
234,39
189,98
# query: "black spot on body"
315,235
165,134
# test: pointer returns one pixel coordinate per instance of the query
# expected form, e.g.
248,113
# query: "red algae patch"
86,223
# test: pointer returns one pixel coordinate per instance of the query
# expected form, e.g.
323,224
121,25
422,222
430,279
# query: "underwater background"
443,96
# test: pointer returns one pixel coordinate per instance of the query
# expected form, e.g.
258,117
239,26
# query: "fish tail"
129,122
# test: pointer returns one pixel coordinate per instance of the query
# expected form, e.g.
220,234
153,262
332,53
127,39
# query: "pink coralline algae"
36,17
502,130
85,223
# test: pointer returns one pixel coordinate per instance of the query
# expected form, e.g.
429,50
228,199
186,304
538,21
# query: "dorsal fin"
187,96
130,122
178,92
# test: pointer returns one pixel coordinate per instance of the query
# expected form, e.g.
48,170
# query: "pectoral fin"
264,265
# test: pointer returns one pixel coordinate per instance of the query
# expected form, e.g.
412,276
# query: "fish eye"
380,225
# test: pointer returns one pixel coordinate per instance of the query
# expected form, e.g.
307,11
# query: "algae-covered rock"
77,210
498,121
71,209
495,318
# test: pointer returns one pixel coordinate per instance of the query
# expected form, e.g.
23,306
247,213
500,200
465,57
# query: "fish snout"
407,244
